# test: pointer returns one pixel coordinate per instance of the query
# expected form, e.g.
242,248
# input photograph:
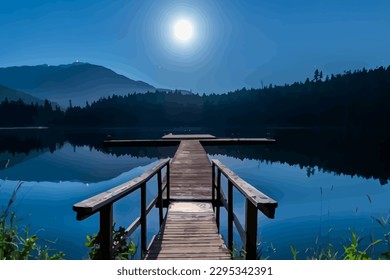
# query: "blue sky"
236,43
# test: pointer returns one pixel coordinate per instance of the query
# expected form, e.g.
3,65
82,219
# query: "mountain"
15,95
78,82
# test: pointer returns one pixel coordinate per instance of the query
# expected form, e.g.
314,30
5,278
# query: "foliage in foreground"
352,250
122,250
20,245
261,250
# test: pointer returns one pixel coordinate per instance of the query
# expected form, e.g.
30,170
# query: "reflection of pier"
192,193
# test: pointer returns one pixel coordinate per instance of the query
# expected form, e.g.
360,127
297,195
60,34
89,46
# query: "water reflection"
313,210
352,153
312,175
46,208
71,163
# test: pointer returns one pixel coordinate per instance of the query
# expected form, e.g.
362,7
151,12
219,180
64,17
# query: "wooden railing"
103,203
255,200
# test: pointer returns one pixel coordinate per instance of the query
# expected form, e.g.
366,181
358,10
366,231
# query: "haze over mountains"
78,82
14,95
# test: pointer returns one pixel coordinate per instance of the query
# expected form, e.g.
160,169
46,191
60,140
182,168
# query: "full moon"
183,30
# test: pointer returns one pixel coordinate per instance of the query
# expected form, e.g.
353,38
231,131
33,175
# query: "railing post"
218,197
168,184
251,230
143,220
106,232
213,185
160,201
230,215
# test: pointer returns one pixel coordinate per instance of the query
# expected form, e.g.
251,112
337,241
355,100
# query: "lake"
325,188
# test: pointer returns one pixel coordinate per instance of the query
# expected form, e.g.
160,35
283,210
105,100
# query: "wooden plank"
143,220
91,205
251,231
236,221
188,136
106,223
189,257
184,242
189,232
236,141
202,238
160,201
141,143
137,222
174,140
190,174
264,203
230,215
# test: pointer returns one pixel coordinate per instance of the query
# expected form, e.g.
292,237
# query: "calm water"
317,206
313,210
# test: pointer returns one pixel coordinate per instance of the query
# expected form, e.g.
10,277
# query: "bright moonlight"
183,30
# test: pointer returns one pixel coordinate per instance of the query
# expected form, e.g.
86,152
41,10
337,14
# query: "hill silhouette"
15,95
78,82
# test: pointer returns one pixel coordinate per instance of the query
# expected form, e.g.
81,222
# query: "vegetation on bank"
353,250
19,244
122,248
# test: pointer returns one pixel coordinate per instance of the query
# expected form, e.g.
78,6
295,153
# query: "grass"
352,250
262,252
122,249
16,244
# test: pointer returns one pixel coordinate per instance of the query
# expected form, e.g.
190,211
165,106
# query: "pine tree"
316,75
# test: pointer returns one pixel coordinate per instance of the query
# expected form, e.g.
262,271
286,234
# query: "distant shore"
24,127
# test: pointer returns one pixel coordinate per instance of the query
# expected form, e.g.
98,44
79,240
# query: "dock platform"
193,195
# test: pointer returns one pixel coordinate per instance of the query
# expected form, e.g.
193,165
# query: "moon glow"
183,30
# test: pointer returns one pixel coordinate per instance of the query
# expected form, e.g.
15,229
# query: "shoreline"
24,128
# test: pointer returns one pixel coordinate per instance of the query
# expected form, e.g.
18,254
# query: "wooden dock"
190,230
190,173
171,140
193,194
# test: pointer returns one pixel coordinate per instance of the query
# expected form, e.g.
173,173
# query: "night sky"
234,44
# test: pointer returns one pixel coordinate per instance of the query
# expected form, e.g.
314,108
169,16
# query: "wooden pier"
191,190
190,230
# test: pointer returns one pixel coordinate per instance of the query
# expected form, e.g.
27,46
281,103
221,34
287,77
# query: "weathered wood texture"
173,140
260,200
189,232
188,136
255,200
142,143
236,141
190,176
91,205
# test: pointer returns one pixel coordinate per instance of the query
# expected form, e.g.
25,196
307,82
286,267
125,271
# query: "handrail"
255,200
93,204
104,201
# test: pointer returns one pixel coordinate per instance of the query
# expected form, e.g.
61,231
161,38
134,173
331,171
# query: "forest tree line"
356,99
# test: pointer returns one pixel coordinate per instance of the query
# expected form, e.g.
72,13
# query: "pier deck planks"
190,177
189,230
